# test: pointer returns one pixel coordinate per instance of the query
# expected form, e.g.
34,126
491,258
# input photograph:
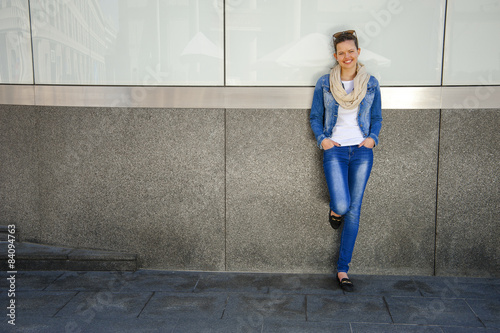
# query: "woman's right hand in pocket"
328,144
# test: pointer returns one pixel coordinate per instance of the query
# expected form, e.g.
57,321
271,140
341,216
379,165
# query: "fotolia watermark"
98,303
481,93
267,306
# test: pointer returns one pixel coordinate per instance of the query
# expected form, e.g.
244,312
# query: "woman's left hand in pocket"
368,143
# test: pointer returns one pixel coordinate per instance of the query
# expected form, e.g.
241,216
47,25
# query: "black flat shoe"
335,221
346,284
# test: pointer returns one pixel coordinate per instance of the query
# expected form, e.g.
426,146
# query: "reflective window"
472,51
288,42
15,43
267,43
128,42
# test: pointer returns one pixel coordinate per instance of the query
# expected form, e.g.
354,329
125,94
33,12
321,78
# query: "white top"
346,130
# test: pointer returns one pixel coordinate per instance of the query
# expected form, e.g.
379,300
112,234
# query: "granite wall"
468,222
243,190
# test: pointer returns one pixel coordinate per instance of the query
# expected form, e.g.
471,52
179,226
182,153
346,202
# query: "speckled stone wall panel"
277,201
468,213
244,190
144,181
19,183
397,225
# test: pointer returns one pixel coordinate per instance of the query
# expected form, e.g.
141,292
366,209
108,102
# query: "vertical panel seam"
224,42
38,166
437,193
444,42
31,43
225,189
225,132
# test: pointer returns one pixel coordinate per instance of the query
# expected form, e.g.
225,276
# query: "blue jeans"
347,170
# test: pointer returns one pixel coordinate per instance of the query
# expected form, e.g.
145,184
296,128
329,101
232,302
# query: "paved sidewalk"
163,301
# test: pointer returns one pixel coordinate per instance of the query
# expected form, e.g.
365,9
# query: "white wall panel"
472,51
15,43
288,42
128,42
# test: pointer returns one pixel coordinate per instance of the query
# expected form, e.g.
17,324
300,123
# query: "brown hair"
343,36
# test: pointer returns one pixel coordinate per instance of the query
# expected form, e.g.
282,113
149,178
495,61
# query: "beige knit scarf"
352,100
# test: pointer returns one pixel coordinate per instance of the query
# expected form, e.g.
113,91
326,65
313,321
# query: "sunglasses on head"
347,32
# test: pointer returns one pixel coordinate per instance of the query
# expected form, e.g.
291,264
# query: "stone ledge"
4,233
31,256
72,265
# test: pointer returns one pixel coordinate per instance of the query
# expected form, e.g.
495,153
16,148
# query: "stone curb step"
4,233
38,257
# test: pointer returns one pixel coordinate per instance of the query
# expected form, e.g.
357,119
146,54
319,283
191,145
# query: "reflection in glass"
268,43
472,48
288,42
15,43
127,42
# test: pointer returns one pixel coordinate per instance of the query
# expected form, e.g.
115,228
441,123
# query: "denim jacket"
324,110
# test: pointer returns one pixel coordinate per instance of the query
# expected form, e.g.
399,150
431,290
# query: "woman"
346,118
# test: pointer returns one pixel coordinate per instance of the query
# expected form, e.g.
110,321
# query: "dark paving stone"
348,308
88,306
214,326
384,285
36,325
459,279
392,328
178,325
456,329
268,283
488,311
26,280
41,303
94,325
456,287
323,284
146,280
431,311
92,281
255,307
163,301
280,326
234,282
164,305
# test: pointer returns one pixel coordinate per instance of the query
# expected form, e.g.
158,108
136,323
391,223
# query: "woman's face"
347,54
